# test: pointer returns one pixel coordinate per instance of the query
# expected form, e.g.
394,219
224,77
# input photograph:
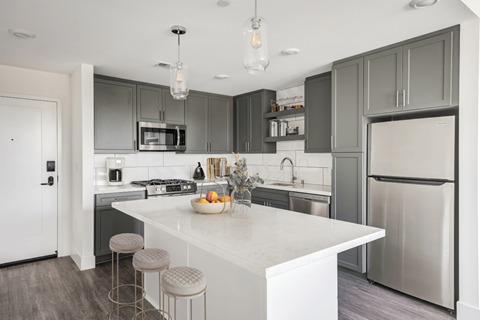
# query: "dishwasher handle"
309,197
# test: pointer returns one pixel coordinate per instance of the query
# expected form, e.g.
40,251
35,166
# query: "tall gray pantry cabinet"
348,145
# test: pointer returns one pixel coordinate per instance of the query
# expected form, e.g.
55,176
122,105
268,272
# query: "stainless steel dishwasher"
310,204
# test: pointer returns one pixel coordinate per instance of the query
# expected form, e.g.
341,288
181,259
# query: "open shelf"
270,115
284,138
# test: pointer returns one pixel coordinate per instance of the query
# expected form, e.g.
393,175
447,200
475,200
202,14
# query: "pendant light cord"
178,47
255,8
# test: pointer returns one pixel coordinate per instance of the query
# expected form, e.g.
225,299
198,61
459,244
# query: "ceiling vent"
162,64
223,3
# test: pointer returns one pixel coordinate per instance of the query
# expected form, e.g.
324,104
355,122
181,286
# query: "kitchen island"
275,265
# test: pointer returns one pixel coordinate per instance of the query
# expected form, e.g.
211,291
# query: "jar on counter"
282,127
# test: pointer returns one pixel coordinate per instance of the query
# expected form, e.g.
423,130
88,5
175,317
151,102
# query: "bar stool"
124,243
149,261
184,283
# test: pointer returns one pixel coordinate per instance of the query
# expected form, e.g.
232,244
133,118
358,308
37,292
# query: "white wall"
83,173
469,239
50,86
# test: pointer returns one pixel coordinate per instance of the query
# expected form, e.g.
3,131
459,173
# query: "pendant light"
179,71
255,46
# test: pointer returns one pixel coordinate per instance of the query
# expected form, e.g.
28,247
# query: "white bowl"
210,208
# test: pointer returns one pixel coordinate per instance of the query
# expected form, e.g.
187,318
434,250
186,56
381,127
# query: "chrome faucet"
291,162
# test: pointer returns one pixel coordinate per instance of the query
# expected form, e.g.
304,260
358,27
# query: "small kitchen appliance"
291,131
115,167
198,174
167,187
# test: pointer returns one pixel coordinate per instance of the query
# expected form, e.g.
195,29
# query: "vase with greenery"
242,184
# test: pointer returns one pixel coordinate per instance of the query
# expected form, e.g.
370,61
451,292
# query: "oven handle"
178,136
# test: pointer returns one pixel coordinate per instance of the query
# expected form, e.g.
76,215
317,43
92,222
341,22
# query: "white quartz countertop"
115,189
271,242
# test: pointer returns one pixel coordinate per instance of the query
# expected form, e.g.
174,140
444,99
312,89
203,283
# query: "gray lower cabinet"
347,106
417,75
156,104
209,120
271,198
110,222
318,111
250,126
348,202
114,116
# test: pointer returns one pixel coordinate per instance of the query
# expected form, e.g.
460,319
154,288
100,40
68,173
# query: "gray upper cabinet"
250,126
383,81
156,104
347,106
348,202
197,123
114,116
209,120
318,110
427,73
417,75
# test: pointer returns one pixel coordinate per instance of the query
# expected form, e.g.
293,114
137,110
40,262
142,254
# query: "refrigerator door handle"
412,181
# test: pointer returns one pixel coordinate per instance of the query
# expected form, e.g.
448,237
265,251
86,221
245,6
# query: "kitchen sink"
281,184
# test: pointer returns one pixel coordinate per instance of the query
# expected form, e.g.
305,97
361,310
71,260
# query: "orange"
202,200
225,199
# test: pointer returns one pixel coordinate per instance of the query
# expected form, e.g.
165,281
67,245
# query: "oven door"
161,137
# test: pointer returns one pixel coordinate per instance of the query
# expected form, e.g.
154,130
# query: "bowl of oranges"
211,203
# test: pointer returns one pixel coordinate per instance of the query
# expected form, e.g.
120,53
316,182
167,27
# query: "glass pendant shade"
255,45
179,81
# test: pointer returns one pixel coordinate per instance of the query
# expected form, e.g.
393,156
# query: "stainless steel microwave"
161,137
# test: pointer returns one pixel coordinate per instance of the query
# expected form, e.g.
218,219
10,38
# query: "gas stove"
167,187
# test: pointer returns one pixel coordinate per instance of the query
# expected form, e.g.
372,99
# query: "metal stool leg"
205,304
118,289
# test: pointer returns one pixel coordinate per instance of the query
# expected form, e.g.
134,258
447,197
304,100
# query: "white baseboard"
467,312
152,301
64,251
83,263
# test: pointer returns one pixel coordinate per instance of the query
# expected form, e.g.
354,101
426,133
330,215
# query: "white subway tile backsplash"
309,175
230,157
299,145
268,172
101,176
176,159
274,159
327,176
313,159
143,159
286,146
134,174
253,158
178,172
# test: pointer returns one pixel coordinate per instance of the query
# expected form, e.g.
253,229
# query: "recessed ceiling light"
290,51
21,34
221,76
223,3
420,4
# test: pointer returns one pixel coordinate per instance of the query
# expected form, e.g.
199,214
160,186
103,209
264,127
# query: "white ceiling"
124,38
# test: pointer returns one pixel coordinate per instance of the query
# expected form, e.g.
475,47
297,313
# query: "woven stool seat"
126,242
151,259
184,281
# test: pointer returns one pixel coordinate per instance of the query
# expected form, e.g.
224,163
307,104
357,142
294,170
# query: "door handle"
178,137
49,183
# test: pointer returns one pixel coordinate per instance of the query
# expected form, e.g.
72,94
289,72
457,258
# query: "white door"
28,210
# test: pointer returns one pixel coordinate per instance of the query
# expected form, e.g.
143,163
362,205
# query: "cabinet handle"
331,142
248,144
134,145
404,97
160,115
397,98
246,148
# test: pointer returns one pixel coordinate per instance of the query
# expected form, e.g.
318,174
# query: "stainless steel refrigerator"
411,194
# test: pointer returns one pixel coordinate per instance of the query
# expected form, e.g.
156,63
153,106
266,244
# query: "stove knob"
163,189
157,189
189,187
184,187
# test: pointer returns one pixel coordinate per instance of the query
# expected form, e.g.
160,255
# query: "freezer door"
419,148
417,254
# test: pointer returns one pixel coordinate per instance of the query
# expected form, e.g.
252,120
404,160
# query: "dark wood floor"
55,289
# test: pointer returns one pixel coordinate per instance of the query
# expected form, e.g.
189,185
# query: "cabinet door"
242,123
149,103
197,123
347,106
383,82
256,121
173,110
318,111
348,204
110,222
114,116
427,72
220,124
